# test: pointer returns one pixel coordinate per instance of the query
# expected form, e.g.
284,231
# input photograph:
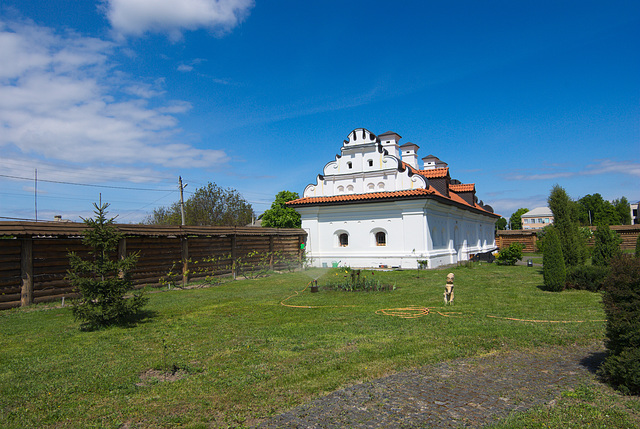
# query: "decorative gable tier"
364,166
373,206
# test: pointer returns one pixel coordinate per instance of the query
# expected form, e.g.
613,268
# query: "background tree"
553,267
209,205
501,224
516,218
624,212
595,210
606,246
280,215
574,247
103,279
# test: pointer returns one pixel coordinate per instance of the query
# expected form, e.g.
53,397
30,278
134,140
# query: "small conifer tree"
103,279
622,306
553,268
606,246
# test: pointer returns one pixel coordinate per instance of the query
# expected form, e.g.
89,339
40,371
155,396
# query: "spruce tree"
573,244
103,279
553,267
606,246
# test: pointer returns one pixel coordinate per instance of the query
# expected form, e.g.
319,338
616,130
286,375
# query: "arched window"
343,239
350,188
370,162
381,186
381,239
349,165
371,187
341,189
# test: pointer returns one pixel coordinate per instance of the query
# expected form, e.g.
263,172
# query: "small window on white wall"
350,188
349,165
381,239
343,239
381,186
370,162
341,189
371,187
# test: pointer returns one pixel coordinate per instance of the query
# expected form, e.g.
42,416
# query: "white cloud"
61,99
136,17
601,166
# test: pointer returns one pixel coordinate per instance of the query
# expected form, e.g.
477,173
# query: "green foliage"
606,246
515,220
622,305
586,277
511,254
501,224
103,280
280,215
349,280
638,247
595,210
553,268
209,205
574,246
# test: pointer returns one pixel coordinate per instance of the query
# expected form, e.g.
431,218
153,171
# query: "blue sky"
120,97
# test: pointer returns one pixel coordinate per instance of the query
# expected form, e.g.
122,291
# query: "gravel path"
469,392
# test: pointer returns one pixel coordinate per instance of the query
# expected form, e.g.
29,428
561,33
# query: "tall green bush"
103,279
510,255
606,246
553,268
574,246
621,301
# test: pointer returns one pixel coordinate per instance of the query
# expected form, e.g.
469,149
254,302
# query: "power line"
86,184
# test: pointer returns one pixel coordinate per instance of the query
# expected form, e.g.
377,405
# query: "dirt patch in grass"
154,376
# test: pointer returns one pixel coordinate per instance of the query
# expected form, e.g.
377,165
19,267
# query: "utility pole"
35,194
181,197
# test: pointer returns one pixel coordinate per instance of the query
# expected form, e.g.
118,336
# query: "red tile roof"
365,197
391,195
465,187
434,173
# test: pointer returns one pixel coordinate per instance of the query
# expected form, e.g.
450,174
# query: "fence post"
26,269
234,255
185,260
271,253
122,253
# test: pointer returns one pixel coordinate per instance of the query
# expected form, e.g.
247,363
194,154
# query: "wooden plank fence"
528,237
34,256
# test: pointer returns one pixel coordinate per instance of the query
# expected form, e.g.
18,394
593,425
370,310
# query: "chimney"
409,153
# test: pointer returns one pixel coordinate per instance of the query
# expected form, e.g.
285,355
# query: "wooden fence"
528,237
34,256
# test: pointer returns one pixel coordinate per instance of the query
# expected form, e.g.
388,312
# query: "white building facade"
373,206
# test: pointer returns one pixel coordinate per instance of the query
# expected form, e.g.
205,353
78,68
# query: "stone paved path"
462,393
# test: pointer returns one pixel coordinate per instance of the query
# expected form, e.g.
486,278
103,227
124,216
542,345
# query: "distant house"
635,219
537,218
373,206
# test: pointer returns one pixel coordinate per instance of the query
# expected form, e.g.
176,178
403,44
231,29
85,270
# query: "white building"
537,218
373,206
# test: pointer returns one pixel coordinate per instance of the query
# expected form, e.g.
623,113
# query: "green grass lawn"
243,356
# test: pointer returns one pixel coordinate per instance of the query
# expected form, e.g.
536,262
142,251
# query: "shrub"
621,301
103,279
511,254
586,277
553,268
606,245
638,247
